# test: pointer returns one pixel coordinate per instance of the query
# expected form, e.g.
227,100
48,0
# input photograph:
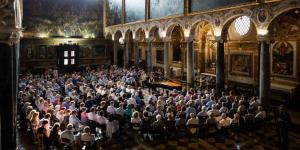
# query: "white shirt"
92,116
68,134
111,110
87,137
120,111
101,119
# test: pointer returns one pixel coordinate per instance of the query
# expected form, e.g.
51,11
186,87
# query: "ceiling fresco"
63,18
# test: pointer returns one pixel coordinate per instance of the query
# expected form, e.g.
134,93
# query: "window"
242,25
66,54
69,57
66,61
72,61
72,53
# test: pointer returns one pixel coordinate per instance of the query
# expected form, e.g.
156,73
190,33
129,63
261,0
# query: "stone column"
126,53
136,53
166,59
149,55
115,52
220,67
190,63
9,65
264,76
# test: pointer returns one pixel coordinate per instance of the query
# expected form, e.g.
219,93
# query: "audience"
63,106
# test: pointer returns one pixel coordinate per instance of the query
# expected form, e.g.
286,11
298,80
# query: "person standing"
283,125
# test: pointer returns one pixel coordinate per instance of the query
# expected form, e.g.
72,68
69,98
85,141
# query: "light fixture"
187,32
162,33
121,40
262,31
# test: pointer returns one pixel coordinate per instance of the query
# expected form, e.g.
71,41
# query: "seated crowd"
78,108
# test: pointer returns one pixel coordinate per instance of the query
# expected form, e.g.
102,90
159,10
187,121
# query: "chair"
193,130
135,126
67,143
181,130
159,131
170,128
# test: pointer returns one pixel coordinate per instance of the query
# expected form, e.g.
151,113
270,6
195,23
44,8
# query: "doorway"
120,57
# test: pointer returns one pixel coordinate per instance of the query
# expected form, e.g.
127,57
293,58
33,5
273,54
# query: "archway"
157,50
129,53
119,49
240,55
109,46
140,38
205,51
177,52
284,33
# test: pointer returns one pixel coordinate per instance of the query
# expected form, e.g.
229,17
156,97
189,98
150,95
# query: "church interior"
150,74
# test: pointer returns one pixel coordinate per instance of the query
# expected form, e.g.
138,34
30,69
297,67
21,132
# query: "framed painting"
134,10
164,8
283,58
113,12
201,5
160,56
51,53
241,64
99,51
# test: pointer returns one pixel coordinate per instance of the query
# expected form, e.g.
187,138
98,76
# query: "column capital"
263,38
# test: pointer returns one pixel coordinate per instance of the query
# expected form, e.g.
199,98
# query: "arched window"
242,25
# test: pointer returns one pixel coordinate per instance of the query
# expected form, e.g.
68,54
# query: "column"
220,67
166,59
149,55
264,75
126,53
136,53
115,52
190,63
9,56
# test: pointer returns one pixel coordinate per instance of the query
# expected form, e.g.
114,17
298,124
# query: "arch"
231,16
154,33
170,29
118,34
280,12
155,24
196,24
140,34
128,34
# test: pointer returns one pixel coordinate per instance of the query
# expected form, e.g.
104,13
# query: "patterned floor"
257,141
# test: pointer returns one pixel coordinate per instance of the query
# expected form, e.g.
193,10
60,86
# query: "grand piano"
170,85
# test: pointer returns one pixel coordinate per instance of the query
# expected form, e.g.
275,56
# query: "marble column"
136,53
126,53
166,59
220,67
9,56
115,52
190,63
149,55
264,75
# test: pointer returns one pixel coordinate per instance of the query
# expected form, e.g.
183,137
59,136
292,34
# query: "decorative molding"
218,19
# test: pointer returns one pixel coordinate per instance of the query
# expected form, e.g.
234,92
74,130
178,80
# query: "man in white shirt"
111,108
68,134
